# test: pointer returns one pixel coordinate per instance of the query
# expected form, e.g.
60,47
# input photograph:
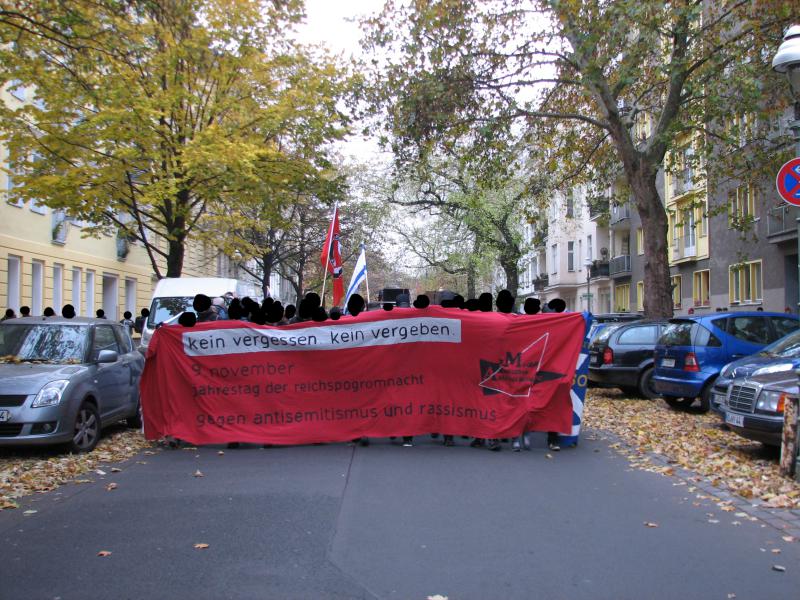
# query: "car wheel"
705,396
679,402
646,385
86,431
135,421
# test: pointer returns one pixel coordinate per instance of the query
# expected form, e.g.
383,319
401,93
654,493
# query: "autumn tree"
574,78
147,116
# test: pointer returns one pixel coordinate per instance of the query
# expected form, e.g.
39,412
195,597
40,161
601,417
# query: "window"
14,282
76,290
749,329
639,335
701,290
570,204
104,339
622,298
570,256
744,283
37,287
16,89
554,259
89,294
640,241
783,326
640,295
676,291
130,295
741,206
58,287
589,250
703,221
689,239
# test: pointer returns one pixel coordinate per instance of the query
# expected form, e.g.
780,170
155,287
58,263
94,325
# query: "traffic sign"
788,182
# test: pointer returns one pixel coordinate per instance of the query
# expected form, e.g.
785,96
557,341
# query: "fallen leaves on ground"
26,471
694,441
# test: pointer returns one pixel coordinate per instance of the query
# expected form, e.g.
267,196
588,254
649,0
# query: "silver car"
62,380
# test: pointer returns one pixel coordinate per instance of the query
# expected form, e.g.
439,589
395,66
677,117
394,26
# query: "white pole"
366,275
329,239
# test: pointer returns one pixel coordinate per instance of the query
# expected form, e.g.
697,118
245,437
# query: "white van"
174,295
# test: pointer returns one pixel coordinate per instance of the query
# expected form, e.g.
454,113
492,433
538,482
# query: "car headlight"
771,401
50,394
723,371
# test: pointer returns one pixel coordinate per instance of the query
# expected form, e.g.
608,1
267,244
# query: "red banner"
404,372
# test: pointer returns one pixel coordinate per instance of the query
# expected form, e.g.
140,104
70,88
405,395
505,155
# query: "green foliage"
149,116
576,80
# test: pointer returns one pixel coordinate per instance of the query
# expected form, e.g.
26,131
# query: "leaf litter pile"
694,441
24,471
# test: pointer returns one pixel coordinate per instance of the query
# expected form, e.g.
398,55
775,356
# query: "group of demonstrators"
272,312
68,312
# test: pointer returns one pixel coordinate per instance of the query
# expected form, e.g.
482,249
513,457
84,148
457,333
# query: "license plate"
4,416
734,419
668,362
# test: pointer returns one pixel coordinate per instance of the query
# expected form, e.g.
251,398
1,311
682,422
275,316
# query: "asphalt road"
337,521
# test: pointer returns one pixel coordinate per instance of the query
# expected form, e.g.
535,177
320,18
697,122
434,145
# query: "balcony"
683,249
782,223
599,269
620,213
620,265
540,282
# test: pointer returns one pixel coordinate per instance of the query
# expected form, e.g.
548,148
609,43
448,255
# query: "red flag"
331,254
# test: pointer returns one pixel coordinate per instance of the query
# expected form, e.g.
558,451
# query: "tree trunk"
657,281
268,262
175,256
510,266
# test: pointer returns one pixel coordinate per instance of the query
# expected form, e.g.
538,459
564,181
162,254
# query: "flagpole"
328,239
366,275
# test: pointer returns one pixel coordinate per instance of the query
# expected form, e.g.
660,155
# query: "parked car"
753,405
780,356
692,350
621,355
602,320
62,380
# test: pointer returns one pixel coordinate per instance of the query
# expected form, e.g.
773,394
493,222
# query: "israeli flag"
359,275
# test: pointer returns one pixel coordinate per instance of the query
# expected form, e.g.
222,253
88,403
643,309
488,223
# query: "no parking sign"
788,182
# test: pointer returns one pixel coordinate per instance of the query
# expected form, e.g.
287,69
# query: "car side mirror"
107,356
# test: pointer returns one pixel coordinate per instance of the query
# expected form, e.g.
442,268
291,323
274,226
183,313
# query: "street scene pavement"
385,521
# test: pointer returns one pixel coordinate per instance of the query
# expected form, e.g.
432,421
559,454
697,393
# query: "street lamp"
787,61
588,264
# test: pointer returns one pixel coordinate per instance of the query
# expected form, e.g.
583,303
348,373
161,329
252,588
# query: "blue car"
692,350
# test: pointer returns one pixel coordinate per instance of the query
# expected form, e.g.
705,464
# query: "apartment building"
569,256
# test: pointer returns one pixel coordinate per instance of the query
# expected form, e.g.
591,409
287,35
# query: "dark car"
621,355
780,356
692,350
62,380
602,320
753,405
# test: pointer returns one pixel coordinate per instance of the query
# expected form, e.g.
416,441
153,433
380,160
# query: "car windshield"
164,309
786,347
61,344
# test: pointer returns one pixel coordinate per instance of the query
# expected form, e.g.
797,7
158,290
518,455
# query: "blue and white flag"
359,275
